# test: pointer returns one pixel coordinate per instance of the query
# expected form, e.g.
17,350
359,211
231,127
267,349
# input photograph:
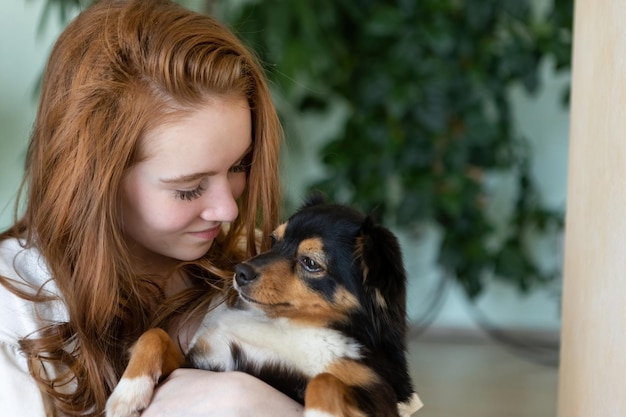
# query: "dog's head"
328,264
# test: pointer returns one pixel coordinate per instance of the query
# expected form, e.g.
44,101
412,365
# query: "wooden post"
592,378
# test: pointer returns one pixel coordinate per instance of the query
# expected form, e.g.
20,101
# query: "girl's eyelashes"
243,165
239,168
188,195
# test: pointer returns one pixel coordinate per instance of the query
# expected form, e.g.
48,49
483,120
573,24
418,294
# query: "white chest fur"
267,341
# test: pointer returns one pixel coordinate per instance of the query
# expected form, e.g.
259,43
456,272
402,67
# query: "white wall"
22,57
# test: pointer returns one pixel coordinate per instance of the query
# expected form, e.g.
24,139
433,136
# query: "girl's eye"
235,169
243,165
188,195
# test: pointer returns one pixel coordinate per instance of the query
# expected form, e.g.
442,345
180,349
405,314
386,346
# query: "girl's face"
175,200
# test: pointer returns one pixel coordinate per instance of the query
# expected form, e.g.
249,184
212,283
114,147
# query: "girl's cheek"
238,184
172,216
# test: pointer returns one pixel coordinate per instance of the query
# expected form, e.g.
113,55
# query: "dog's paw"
130,397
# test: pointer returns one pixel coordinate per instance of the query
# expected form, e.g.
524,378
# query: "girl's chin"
194,253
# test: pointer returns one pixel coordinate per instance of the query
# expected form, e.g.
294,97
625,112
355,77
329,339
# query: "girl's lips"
208,234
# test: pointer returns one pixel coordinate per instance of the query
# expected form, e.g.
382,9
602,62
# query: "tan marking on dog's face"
281,293
281,289
313,245
312,260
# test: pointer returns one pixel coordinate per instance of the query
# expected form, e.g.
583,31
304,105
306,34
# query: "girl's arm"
193,392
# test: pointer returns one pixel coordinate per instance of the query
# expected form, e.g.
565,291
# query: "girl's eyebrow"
199,175
187,178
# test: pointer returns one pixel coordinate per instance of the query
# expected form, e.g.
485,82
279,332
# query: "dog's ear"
314,198
384,278
384,275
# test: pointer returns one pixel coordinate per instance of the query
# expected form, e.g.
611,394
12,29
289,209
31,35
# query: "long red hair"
118,70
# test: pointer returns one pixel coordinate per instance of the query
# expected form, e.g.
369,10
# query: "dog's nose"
245,274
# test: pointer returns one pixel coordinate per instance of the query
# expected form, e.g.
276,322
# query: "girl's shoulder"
24,277
21,263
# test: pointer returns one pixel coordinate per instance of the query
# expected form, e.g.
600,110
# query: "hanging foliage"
428,83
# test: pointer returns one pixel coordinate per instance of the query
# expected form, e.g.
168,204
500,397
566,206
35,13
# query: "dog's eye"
310,265
272,240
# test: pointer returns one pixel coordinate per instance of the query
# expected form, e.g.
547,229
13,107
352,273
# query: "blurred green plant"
428,84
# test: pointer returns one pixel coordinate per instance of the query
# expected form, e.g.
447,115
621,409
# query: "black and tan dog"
320,316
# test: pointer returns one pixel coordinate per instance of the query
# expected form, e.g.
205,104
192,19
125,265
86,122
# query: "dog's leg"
327,396
153,356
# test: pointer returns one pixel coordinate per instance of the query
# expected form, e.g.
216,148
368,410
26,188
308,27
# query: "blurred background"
446,119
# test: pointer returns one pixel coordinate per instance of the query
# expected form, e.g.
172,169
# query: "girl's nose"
220,204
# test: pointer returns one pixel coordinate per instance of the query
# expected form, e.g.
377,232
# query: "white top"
19,394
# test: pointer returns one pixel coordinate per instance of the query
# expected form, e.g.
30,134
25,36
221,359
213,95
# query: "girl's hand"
193,392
